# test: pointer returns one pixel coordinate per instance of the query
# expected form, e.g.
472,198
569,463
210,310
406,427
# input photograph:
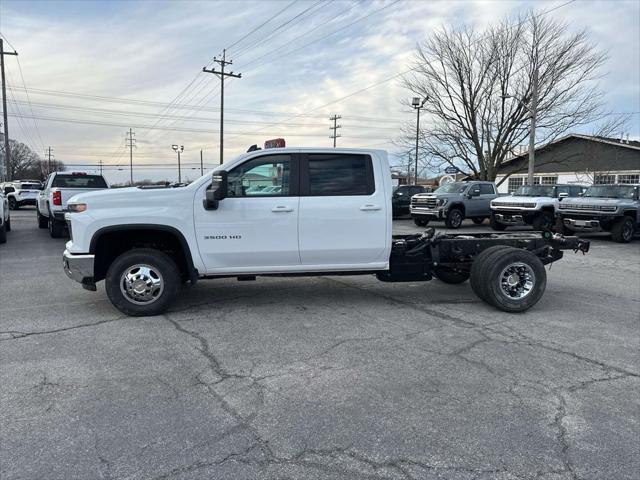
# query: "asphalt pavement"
319,378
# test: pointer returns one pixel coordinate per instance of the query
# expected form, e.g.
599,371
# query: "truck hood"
438,195
131,196
595,201
523,199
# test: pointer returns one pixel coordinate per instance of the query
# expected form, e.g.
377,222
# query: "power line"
259,26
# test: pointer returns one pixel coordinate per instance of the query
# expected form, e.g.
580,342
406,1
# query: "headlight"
442,201
77,207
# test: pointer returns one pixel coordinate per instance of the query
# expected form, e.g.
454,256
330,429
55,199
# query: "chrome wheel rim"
517,281
627,230
456,219
141,284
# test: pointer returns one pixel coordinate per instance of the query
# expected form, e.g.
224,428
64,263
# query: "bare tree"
479,86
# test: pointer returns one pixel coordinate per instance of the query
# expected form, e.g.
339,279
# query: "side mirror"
580,194
474,193
562,195
217,192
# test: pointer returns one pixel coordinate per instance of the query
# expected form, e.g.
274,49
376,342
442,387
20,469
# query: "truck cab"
453,202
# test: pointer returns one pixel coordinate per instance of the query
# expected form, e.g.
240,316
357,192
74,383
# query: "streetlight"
178,149
417,105
533,110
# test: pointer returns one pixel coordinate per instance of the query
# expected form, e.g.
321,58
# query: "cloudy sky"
94,69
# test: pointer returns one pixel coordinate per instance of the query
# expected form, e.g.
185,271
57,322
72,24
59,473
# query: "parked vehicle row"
59,187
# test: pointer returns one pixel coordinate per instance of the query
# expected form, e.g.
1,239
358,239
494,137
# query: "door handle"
369,206
282,208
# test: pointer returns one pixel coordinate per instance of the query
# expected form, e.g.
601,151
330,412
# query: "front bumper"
587,223
25,201
79,267
430,213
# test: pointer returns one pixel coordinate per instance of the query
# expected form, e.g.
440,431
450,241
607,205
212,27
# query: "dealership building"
575,159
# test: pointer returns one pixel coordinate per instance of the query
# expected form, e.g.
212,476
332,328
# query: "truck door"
344,219
479,205
254,229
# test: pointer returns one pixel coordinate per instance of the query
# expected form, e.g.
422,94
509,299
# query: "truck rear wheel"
13,204
478,268
451,275
496,225
56,227
454,218
3,233
42,220
514,280
622,231
421,222
142,282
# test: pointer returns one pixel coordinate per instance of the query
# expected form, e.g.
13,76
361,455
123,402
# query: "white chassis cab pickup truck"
329,214
58,189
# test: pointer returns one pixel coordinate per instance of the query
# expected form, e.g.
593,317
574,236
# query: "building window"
548,180
604,179
628,178
514,183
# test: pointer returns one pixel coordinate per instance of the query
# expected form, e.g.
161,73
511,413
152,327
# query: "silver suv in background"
531,205
453,202
610,208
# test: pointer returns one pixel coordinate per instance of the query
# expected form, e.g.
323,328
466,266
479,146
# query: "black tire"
13,204
454,218
543,221
623,230
43,222
478,267
496,225
3,233
478,220
8,224
527,272
566,231
164,268
451,275
56,227
421,222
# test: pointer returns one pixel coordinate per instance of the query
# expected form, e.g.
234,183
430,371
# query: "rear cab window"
79,181
337,174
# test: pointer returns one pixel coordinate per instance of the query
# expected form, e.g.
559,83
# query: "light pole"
417,105
533,110
178,149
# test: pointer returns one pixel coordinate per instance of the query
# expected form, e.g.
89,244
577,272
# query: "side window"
567,190
339,174
264,176
486,189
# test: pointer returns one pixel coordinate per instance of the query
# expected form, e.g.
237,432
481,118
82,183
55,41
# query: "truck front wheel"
56,227
496,225
142,282
622,231
543,221
421,222
514,280
454,218
42,220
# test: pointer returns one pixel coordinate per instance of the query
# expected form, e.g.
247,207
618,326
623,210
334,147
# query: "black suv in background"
401,198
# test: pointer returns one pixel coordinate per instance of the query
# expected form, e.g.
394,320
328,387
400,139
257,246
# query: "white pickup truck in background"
58,189
322,211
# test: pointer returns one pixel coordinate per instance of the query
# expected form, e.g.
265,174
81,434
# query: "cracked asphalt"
319,378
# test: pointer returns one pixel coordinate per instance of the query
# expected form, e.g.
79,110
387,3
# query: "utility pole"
417,105
47,152
201,169
100,163
335,128
130,142
221,74
7,151
532,131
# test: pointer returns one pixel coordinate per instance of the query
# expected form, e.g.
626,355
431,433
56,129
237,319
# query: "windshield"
29,186
454,187
79,181
534,191
611,191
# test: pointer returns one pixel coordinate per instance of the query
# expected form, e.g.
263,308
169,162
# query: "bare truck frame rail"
505,270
